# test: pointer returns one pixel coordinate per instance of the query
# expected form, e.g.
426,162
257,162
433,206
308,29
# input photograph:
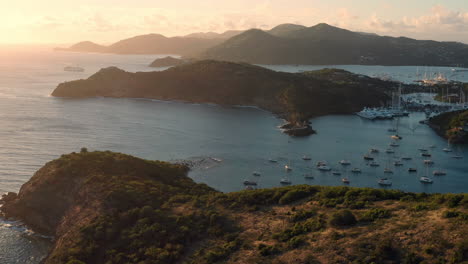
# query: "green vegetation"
128,210
452,125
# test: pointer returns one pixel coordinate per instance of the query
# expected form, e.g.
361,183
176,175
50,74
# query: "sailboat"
426,179
385,182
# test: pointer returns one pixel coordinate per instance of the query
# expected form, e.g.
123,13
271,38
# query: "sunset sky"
106,21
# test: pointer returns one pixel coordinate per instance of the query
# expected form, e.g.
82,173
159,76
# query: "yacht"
287,168
397,163
394,144
368,157
432,146
392,130
336,173
439,173
406,158
324,168
425,179
356,170
374,150
390,151
256,173
388,171
345,180
396,137
422,149
426,155
428,162
308,176
306,158
250,183
412,170
447,150
273,161
385,182
345,162
374,164
285,181
457,157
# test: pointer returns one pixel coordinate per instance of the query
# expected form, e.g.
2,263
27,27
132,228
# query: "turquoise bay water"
36,128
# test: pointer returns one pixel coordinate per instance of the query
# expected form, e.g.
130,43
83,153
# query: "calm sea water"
36,128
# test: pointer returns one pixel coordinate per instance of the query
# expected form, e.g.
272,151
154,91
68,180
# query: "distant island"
321,44
156,44
327,45
167,62
451,125
296,97
105,207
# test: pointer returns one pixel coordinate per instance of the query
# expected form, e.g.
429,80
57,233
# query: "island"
106,207
167,62
451,125
296,97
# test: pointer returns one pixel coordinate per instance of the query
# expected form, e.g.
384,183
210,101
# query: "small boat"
426,155
367,157
425,179
422,149
308,176
336,173
457,157
287,168
392,130
428,162
285,181
439,173
256,173
306,158
406,158
389,151
321,163
396,137
394,144
397,163
385,182
447,150
388,171
374,164
273,161
374,150
345,162
345,180
412,170
356,170
250,183
324,168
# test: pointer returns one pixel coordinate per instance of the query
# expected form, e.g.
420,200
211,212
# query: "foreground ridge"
105,207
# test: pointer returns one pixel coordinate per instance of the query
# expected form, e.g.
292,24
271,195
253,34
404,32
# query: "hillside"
325,44
167,62
150,44
297,97
451,125
105,207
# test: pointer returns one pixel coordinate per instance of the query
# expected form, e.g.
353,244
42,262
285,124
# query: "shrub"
374,214
266,250
296,242
303,215
451,214
343,218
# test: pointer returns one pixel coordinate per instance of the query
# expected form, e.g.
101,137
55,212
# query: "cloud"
440,23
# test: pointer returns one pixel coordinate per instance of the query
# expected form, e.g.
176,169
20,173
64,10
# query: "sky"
107,21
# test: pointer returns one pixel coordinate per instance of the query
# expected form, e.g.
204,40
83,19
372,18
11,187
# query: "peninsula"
104,207
293,96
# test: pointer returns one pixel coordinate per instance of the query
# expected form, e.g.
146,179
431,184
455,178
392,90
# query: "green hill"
325,44
105,207
296,97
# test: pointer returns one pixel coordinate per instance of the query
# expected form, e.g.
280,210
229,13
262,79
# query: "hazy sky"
106,21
